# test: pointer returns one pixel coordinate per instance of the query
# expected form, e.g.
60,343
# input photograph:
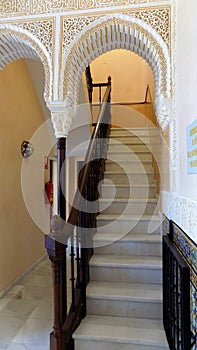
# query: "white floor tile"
9,327
15,346
26,311
35,332
44,310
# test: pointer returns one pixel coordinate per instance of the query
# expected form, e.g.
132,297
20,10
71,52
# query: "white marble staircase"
124,295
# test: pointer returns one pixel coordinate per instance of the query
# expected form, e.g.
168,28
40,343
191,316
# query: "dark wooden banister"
72,219
85,222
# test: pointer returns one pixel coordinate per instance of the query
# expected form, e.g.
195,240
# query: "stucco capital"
61,117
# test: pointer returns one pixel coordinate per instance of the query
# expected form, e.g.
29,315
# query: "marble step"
134,131
124,191
119,333
124,299
128,155
129,132
129,139
128,166
128,206
128,224
129,245
130,178
129,269
120,147
138,140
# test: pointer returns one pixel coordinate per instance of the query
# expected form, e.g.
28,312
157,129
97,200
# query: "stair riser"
127,226
132,192
112,166
129,156
133,147
128,208
122,274
124,308
129,139
129,132
129,248
130,179
106,345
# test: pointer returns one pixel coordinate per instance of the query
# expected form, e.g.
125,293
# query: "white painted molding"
183,211
61,117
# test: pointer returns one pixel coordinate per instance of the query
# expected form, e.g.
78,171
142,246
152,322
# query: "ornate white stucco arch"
118,31
18,43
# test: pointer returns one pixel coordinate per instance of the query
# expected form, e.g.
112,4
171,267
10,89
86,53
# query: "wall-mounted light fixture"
26,149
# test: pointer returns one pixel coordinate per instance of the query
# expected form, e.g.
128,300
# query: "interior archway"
118,32
18,43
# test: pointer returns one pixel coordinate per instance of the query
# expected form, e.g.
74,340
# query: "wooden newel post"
57,254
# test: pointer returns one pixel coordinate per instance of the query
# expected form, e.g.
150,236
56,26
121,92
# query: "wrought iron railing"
79,231
176,297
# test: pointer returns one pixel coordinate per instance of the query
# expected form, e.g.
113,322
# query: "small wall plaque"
192,148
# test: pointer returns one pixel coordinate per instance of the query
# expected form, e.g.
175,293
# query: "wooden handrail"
72,219
85,222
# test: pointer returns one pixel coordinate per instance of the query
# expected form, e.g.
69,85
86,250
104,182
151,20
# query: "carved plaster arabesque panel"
9,8
73,26
158,19
42,29
140,32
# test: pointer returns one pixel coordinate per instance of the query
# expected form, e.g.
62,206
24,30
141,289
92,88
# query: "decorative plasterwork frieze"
42,29
18,43
10,8
143,28
157,18
115,32
72,26
182,211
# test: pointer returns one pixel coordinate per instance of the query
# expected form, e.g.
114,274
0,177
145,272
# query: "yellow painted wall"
130,75
129,72
21,242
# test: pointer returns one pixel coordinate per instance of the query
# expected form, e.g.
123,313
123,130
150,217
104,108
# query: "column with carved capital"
55,243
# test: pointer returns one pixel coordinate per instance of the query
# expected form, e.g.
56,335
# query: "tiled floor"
26,311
